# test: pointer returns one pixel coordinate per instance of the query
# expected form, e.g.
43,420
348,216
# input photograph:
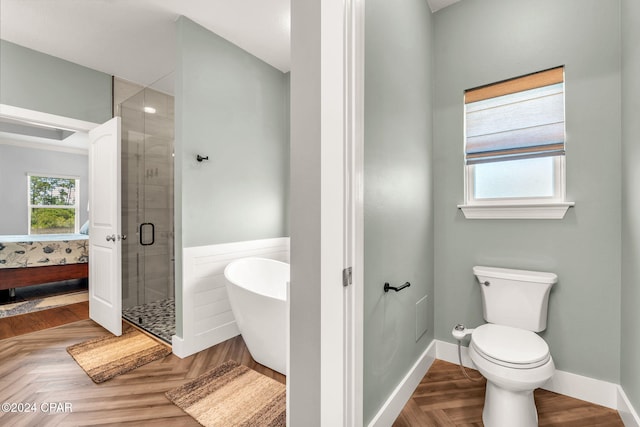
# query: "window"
515,147
53,204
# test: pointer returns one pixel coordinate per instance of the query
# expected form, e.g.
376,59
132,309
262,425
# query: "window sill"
520,211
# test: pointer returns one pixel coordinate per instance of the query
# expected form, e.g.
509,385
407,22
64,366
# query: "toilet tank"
517,298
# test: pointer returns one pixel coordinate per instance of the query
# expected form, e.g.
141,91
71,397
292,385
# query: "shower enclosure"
147,212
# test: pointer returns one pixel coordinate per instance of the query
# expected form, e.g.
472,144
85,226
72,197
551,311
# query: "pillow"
85,228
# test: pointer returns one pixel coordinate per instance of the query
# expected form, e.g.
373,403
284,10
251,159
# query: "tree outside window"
53,204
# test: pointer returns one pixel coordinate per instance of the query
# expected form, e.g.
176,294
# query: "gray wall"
231,107
15,163
33,80
630,354
398,206
483,41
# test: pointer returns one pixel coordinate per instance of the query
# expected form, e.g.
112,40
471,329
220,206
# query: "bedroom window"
53,204
515,148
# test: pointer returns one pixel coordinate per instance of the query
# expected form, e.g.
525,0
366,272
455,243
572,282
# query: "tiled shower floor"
158,318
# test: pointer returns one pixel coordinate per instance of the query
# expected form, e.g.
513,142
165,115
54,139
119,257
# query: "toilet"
507,351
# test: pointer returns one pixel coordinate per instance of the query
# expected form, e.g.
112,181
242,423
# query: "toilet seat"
510,347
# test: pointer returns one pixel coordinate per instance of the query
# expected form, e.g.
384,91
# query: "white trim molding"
628,414
207,318
354,212
516,211
580,387
45,119
600,392
78,143
402,393
449,353
584,388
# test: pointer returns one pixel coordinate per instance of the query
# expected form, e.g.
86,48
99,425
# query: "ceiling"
135,39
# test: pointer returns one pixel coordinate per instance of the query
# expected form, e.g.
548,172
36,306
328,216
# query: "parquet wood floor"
44,319
445,397
36,369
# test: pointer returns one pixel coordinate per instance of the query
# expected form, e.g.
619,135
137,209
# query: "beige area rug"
29,306
232,395
110,356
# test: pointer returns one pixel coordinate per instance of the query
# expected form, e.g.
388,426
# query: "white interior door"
105,245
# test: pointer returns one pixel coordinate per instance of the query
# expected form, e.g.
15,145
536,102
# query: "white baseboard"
580,387
207,318
584,388
625,409
577,386
449,353
400,396
185,348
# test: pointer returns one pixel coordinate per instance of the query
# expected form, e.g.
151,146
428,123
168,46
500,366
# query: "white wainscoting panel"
206,313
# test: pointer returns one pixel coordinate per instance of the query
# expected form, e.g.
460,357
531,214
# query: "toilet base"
505,408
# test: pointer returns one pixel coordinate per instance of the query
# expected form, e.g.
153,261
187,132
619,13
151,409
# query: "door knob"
112,237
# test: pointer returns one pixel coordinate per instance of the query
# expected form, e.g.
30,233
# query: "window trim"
517,211
518,207
75,207
558,191
554,207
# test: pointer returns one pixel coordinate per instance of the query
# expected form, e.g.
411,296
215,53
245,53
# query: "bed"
27,260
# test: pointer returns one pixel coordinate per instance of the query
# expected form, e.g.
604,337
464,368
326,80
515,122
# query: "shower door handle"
153,234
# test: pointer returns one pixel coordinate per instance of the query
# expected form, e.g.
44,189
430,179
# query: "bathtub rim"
229,281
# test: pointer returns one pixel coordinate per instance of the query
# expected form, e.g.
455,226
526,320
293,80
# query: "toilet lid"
510,346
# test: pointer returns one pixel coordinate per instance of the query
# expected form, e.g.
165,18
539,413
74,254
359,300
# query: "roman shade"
516,119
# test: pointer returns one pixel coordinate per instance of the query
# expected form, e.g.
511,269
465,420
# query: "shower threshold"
157,317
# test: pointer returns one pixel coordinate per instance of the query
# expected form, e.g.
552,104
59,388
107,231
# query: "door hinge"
346,277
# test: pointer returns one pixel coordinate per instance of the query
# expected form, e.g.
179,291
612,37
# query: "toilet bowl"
515,362
506,350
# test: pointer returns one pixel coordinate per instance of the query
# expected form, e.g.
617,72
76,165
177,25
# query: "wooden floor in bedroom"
31,322
445,397
37,369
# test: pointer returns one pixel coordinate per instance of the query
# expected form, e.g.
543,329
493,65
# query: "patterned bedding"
43,250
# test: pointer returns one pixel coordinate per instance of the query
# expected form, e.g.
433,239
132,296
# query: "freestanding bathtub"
257,289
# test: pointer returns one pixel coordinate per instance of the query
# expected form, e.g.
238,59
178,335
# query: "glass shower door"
147,211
